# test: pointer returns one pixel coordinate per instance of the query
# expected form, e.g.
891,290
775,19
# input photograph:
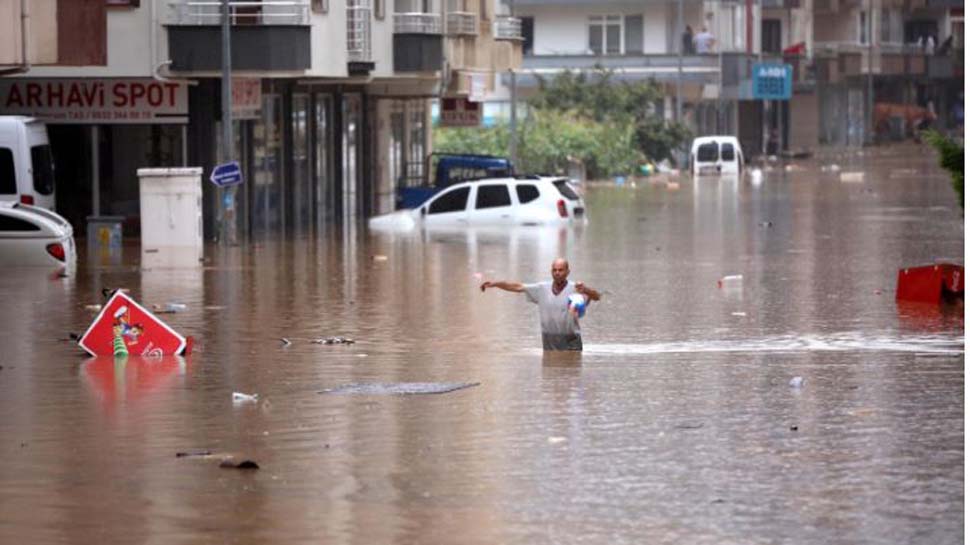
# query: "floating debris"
285,342
239,397
379,258
333,340
796,382
400,388
193,453
229,463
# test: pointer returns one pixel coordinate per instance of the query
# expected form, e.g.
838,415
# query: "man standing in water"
560,328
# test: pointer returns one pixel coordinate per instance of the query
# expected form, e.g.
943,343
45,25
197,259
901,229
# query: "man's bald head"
560,270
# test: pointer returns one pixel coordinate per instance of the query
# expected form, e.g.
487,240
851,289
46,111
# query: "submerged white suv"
524,200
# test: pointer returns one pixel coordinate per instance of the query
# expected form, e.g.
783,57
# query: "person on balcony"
704,41
687,41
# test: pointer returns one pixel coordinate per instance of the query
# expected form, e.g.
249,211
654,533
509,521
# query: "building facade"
331,104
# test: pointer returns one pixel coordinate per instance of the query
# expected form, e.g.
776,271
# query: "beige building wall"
42,32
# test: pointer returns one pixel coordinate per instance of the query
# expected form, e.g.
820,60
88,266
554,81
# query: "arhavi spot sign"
101,101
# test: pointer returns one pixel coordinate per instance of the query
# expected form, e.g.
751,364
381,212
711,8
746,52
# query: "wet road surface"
677,425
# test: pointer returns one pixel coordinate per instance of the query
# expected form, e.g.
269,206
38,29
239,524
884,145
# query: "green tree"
951,158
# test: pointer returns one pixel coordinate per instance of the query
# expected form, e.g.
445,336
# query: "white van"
716,156
26,163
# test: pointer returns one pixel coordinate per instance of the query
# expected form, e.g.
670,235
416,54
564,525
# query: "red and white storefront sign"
142,333
96,101
247,98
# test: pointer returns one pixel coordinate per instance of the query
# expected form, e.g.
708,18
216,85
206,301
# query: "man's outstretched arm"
516,287
587,291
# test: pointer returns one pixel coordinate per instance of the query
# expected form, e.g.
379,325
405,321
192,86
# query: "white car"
31,236
522,200
716,156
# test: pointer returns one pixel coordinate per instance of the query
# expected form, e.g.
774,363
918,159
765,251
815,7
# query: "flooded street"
677,424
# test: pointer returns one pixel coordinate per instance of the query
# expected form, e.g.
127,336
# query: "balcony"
266,35
508,28
462,24
359,57
418,40
660,67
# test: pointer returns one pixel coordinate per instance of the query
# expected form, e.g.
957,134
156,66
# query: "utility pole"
513,98
867,130
227,195
680,61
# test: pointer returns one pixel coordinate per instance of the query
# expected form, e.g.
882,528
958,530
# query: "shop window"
526,193
8,177
452,201
492,196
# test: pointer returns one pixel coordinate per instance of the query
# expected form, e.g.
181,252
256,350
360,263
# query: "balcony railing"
462,23
358,31
417,23
508,28
248,12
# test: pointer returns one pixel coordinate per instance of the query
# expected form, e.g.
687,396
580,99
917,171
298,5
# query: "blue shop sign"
771,81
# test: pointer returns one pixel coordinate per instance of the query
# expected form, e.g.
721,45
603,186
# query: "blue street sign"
227,174
771,81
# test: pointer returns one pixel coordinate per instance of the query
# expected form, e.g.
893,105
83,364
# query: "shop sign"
771,81
460,112
247,98
96,101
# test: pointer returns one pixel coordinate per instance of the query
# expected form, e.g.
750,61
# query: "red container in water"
930,284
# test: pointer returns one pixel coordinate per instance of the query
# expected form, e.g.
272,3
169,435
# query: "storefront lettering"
91,95
127,100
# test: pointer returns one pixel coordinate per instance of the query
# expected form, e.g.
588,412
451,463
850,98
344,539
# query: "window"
43,165
771,36
8,176
491,196
727,152
528,34
863,27
379,10
707,153
526,193
452,201
320,6
605,34
565,190
8,223
633,32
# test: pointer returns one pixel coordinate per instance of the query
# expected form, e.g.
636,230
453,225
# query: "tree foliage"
951,158
609,125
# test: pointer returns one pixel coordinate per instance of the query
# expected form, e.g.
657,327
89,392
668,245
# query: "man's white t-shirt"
560,329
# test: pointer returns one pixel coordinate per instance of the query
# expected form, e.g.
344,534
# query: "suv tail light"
27,199
561,205
56,250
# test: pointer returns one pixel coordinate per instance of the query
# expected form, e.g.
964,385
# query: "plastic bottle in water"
732,281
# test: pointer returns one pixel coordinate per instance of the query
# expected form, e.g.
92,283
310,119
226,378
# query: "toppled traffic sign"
140,333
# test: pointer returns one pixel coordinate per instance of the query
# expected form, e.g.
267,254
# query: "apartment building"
330,102
881,64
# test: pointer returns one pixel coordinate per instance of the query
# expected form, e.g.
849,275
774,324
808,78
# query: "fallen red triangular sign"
142,333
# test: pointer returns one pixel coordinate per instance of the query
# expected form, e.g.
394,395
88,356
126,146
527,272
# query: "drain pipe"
155,66
24,40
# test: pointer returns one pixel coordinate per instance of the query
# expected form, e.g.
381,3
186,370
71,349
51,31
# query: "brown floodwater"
678,424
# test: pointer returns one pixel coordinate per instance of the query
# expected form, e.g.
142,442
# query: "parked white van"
716,156
26,163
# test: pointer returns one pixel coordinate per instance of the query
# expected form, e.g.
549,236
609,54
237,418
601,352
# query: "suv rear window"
8,178
565,190
492,196
526,193
727,152
707,153
43,165
452,201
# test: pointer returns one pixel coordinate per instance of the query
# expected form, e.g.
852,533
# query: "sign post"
228,192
